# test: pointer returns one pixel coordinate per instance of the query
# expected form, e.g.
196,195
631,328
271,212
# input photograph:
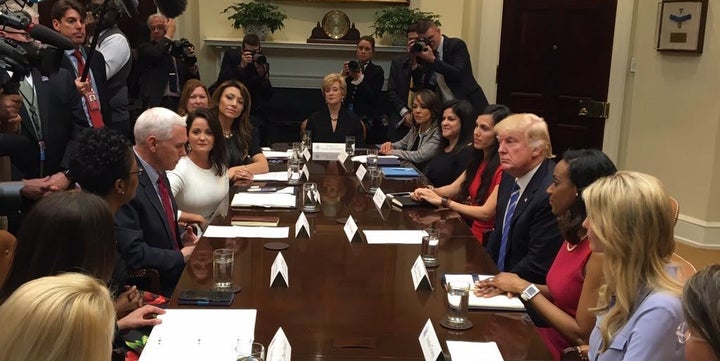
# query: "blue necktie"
514,196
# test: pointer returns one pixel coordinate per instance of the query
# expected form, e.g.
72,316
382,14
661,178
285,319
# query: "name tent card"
379,198
306,155
350,228
361,171
279,268
305,172
429,343
279,348
420,277
329,148
302,223
342,157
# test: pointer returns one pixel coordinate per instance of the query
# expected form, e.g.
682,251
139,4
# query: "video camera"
419,46
183,49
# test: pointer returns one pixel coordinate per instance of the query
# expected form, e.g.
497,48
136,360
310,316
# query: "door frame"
490,15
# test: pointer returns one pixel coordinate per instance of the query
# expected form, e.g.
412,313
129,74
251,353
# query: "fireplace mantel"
303,65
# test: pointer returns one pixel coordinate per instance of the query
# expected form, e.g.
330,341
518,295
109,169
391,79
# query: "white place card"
279,348
379,198
333,148
279,268
305,171
469,351
302,222
342,157
419,274
306,154
430,343
350,228
361,171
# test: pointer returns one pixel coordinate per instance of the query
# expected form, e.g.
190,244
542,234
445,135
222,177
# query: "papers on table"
246,232
499,302
281,176
266,200
394,236
274,154
469,351
199,334
363,158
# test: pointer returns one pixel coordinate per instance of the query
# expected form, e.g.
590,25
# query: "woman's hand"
130,299
386,148
503,282
427,195
239,172
142,317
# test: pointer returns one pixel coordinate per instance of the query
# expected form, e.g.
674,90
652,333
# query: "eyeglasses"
138,172
683,333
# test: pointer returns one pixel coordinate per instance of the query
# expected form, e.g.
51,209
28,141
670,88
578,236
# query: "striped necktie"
514,196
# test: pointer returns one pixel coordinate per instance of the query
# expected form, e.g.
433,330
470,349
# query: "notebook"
403,200
246,220
400,172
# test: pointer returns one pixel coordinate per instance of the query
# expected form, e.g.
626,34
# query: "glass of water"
372,159
223,268
253,352
350,145
429,248
458,296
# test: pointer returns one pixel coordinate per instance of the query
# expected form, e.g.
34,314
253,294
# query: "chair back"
7,253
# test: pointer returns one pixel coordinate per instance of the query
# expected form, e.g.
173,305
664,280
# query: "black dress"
348,124
444,167
235,149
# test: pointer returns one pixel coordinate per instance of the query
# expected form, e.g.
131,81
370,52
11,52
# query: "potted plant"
395,20
256,17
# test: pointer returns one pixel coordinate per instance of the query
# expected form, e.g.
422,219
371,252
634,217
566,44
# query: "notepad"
467,351
400,172
254,221
265,200
499,302
394,236
281,176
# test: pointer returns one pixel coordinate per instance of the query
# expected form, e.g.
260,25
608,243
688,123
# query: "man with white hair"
146,228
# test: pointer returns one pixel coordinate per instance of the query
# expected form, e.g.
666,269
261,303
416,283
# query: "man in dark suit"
450,60
68,19
162,75
146,228
526,237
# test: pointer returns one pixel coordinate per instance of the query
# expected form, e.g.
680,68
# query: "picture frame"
398,2
681,26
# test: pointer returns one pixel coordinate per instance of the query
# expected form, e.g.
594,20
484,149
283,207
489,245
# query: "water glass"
223,268
297,149
372,159
256,352
350,145
310,197
293,169
458,295
375,176
429,248
307,140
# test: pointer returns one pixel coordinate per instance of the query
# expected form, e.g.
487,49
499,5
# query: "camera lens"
354,65
418,46
259,58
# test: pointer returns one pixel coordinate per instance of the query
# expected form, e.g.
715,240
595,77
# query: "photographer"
364,85
249,66
164,65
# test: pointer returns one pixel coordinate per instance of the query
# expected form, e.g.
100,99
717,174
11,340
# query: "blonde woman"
65,317
333,122
629,220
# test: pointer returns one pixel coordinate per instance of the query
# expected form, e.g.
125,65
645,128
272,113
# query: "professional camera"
19,58
259,58
354,65
418,46
183,49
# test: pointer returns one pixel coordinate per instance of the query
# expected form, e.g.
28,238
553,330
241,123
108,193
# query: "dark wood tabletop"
351,300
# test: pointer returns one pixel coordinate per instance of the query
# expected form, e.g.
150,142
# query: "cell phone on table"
205,298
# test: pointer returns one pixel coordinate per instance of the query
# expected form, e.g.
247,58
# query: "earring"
121,192
189,147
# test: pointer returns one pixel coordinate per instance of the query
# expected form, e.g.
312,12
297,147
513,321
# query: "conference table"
353,300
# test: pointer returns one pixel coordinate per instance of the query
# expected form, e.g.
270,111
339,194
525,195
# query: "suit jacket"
457,70
364,96
144,237
154,71
62,121
260,88
97,67
534,237
396,96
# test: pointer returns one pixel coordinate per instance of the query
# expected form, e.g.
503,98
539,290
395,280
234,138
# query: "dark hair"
102,157
241,126
60,7
431,101
218,153
423,25
585,166
498,113
466,113
251,39
700,305
369,39
188,89
64,232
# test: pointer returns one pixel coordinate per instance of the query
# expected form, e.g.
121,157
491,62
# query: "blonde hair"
331,79
631,216
532,127
65,317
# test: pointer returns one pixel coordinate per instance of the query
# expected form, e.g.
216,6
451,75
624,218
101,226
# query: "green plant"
396,19
256,12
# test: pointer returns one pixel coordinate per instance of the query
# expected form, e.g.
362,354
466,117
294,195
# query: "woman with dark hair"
232,107
576,273
422,142
481,186
701,330
454,152
194,95
364,88
199,181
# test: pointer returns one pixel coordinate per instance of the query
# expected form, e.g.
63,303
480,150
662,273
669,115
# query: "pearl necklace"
229,134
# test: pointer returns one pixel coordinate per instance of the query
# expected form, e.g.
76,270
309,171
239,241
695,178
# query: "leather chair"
7,253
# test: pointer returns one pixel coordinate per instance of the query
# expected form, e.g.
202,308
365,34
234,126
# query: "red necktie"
93,106
169,213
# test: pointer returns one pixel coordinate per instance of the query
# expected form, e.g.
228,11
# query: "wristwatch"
529,292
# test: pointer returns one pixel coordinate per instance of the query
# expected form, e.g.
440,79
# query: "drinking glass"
458,295
375,176
310,197
429,248
223,268
372,159
307,140
256,352
293,169
350,145
297,149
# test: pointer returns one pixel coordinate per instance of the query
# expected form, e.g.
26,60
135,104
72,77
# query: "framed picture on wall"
404,2
681,25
